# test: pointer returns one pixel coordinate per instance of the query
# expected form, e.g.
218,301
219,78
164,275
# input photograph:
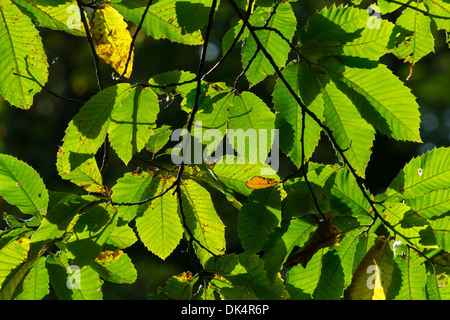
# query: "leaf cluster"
315,233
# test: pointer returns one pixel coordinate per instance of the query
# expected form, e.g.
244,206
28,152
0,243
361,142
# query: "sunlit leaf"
23,67
112,39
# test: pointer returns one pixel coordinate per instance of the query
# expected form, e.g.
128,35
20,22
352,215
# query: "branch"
304,108
235,41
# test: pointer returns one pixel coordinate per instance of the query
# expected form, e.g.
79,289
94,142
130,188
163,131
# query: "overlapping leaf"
126,112
289,114
409,278
373,276
90,233
163,19
71,282
414,39
115,266
345,31
202,220
426,173
380,97
259,216
284,21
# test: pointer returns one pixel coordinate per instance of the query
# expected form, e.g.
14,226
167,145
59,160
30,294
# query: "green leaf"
413,37
259,216
71,282
115,266
158,139
122,237
12,256
331,282
90,233
350,130
437,287
24,67
381,98
439,11
178,287
234,172
132,122
345,31
35,284
162,20
409,278
167,79
59,218
159,227
302,281
244,278
132,187
21,186
289,114
250,116
348,199
202,220
348,251
431,205
128,113
408,225
284,21
441,229
425,173
80,169
63,16
87,130
299,200
387,6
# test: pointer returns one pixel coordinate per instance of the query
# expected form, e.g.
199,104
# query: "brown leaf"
260,182
324,236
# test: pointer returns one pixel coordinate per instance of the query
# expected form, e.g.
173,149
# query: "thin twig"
235,41
133,39
303,166
31,77
81,5
272,13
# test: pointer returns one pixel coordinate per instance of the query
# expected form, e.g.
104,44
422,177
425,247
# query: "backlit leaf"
159,227
373,275
21,185
112,39
23,67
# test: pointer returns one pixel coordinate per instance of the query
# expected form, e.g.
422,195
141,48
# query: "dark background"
34,135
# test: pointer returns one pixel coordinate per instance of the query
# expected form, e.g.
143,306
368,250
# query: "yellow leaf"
112,39
260,182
